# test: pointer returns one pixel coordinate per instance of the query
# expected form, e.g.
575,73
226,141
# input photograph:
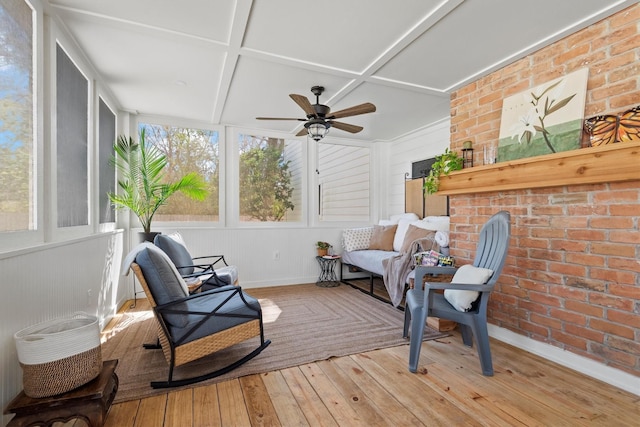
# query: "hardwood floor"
376,389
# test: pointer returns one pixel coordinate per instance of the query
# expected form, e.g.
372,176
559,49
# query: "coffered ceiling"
228,62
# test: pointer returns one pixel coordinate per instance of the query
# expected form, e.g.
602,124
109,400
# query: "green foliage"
445,163
141,173
188,150
265,182
323,245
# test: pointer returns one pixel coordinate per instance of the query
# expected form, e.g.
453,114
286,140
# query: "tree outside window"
270,184
17,205
188,150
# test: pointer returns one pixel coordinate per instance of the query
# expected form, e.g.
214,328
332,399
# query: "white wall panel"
344,183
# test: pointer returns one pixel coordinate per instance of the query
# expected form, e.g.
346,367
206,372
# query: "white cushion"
401,232
433,218
395,219
356,239
469,275
385,222
432,225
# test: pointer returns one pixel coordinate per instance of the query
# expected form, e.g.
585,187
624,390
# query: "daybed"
385,250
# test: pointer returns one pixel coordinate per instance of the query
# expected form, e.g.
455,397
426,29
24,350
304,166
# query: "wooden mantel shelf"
593,165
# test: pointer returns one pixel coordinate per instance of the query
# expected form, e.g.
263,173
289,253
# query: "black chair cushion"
205,303
163,284
177,252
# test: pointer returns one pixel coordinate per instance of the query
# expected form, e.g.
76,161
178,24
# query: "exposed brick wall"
572,275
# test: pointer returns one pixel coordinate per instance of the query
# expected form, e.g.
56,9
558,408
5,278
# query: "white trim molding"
570,360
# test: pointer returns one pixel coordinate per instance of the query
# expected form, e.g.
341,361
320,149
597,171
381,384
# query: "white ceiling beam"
238,29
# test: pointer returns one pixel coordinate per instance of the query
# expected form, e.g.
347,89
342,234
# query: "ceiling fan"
319,117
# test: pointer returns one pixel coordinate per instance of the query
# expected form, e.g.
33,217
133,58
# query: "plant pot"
322,252
148,237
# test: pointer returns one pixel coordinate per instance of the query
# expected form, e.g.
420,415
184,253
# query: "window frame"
24,238
56,233
100,95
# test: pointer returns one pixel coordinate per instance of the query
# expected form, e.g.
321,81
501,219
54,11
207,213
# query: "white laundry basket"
59,355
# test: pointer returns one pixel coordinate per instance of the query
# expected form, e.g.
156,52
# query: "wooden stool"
91,402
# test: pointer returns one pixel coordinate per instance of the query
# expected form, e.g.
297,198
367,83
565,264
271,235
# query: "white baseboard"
570,360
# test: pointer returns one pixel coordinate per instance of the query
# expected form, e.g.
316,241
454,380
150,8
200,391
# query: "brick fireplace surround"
572,276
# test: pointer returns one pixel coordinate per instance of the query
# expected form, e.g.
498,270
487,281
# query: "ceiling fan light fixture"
317,129
320,118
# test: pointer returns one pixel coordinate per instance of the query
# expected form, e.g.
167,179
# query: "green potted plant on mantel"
140,170
445,163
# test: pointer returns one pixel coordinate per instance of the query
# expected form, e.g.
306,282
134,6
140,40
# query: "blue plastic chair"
420,303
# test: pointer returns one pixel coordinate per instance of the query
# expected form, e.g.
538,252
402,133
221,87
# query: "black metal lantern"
467,154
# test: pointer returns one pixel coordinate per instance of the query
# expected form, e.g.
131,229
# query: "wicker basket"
59,355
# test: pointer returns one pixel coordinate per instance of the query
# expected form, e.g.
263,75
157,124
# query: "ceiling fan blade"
365,108
302,132
304,103
346,127
280,118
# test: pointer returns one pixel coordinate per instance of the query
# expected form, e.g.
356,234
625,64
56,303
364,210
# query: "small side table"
328,278
90,402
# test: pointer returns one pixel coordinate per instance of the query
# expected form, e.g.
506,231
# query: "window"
343,182
17,142
106,171
270,173
72,132
188,150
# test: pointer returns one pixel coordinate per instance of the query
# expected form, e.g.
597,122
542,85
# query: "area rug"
305,323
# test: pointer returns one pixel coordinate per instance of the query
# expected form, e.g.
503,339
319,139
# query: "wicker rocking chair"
193,326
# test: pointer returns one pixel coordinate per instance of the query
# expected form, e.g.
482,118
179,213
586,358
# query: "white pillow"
395,219
356,239
385,222
401,232
432,225
469,275
434,218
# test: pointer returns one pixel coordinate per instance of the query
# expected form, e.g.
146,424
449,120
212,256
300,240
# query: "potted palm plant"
141,180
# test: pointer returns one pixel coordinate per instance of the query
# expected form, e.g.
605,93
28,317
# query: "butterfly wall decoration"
610,128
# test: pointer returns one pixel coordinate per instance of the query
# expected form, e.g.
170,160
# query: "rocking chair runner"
480,277
194,326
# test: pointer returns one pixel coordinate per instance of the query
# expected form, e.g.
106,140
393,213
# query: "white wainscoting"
264,256
52,281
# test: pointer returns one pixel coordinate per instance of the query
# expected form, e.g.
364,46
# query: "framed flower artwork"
545,119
